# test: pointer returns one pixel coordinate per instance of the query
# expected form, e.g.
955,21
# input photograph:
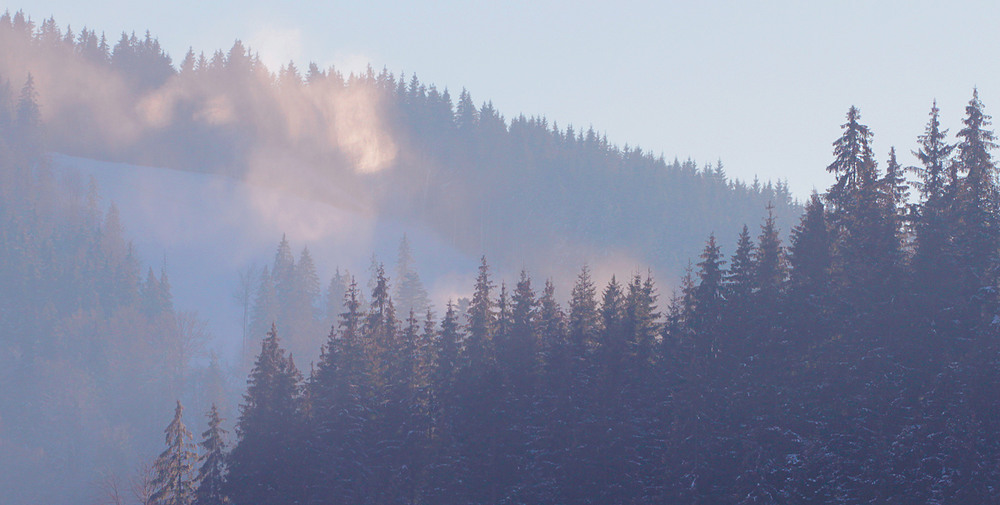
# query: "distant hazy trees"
485,183
92,350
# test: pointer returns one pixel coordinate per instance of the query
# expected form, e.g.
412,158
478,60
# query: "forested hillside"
844,354
519,189
92,351
856,363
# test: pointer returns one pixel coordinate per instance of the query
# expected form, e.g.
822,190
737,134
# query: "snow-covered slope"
207,227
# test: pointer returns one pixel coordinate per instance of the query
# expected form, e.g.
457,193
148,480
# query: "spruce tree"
283,276
978,232
709,295
212,472
340,390
770,260
521,353
551,321
865,232
380,326
896,191
446,354
583,316
265,306
934,268
410,292
740,281
612,346
641,326
262,465
173,480
28,121
809,254
335,297
934,154
482,320
854,166
809,281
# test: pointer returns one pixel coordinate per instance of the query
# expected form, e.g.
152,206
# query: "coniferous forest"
857,363
846,355
517,188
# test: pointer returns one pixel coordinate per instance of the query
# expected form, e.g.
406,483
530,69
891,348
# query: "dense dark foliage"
826,371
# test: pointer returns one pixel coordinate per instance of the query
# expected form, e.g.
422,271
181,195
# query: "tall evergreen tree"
897,190
583,315
740,279
340,389
446,354
770,260
520,356
173,480
709,296
410,292
853,166
867,266
482,320
809,254
212,472
265,306
978,232
641,326
28,121
262,465
933,259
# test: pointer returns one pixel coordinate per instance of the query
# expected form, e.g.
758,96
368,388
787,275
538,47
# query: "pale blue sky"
762,85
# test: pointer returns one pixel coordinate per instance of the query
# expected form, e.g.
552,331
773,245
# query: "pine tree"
306,289
709,295
583,315
809,254
978,233
482,320
641,325
502,328
340,390
466,114
188,64
283,276
446,354
262,465
335,297
770,261
380,327
410,292
173,482
212,473
934,268
864,228
265,306
521,352
897,191
551,321
28,121
854,166
612,346
740,280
